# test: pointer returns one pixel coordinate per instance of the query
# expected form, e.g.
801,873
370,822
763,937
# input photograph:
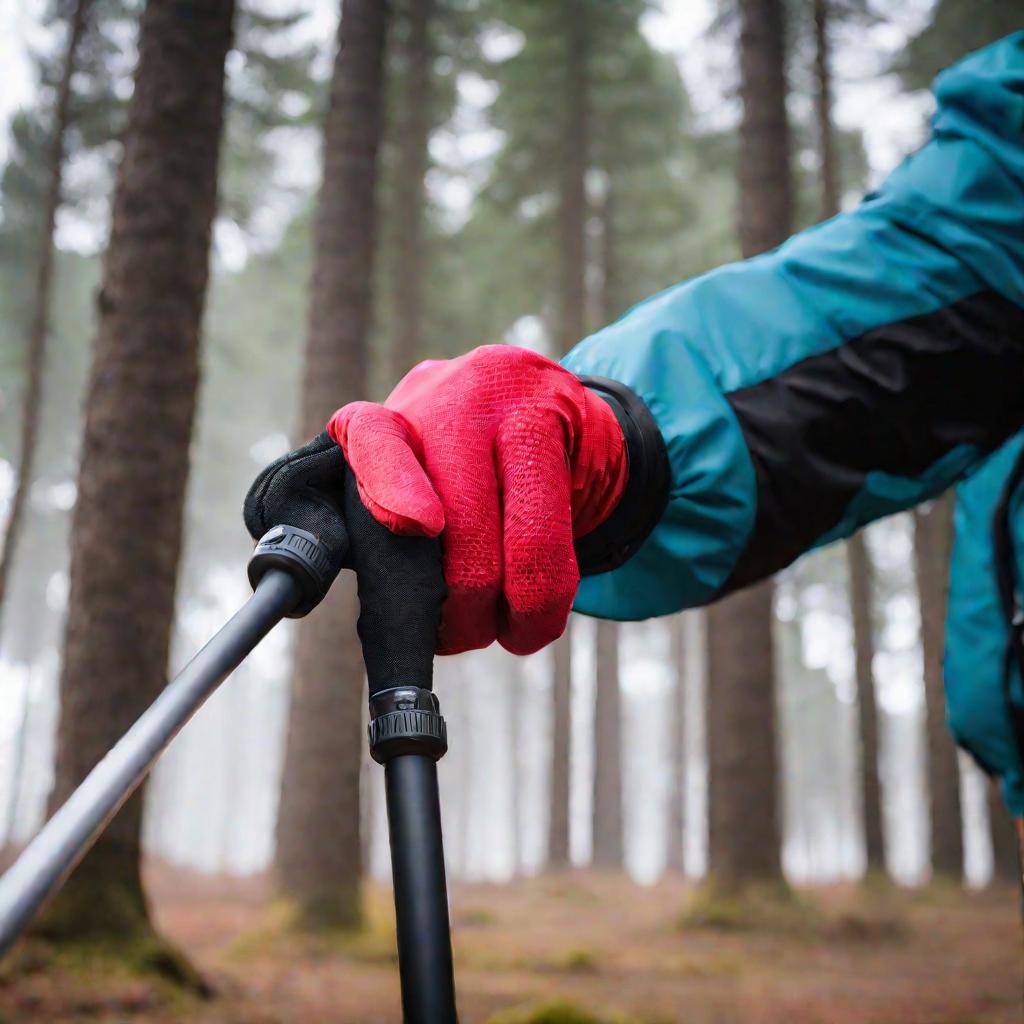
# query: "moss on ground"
580,960
773,907
373,940
557,1012
147,956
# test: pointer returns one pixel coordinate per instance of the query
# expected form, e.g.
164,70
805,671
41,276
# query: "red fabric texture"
507,457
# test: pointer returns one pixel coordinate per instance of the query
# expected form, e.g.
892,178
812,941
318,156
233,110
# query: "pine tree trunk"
127,526
18,760
1005,841
467,791
742,800
318,848
859,570
857,558
410,191
561,752
742,761
515,693
607,806
676,818
571,328
933,535
828,165
32,400
765,186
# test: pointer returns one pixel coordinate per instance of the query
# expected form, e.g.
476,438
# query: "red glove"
508,457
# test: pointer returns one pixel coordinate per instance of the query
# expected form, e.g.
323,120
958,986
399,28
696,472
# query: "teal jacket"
864,366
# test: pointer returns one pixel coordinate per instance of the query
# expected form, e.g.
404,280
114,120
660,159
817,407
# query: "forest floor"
842,955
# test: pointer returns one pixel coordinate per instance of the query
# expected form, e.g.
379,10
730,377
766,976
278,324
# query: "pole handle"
306,513
401,591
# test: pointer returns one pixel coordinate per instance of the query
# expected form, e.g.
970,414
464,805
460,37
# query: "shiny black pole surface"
421,896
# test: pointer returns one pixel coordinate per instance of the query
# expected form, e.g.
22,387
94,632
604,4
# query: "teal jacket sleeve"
984,694
862,367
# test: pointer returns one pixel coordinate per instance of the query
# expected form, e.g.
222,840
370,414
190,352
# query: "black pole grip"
401,590
309,502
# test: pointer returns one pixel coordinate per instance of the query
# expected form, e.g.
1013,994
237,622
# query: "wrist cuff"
642,503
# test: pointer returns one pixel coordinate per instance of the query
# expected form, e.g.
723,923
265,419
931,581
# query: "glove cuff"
643,502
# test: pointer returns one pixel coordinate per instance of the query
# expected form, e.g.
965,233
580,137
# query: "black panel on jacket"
894,400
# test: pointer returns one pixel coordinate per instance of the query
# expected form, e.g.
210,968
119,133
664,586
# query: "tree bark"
1005,840
606,808
742,761
676,818
515,693
561,752
933,537
572,219
319,860
828,165
607,850
18,759
859,570
743,776
410,191
766,191
39,325
858,561
126,531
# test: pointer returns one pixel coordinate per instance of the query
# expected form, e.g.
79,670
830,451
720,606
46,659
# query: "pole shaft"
421,896
68,835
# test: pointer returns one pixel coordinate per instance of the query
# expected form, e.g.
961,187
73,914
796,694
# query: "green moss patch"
557,1012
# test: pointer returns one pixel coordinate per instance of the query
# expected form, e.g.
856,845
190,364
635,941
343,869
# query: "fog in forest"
661,200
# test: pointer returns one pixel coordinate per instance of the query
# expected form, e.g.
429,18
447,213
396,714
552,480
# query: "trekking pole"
401,590
68,835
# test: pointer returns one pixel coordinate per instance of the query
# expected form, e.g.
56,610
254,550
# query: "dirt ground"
839,956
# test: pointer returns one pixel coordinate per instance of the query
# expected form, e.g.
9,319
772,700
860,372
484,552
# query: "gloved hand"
508,457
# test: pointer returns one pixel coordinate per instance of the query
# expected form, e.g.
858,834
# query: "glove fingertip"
392,483
415,518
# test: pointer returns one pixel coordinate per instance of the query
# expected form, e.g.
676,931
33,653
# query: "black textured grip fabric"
304,489
401,591
401,582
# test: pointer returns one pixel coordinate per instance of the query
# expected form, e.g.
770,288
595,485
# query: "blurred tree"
607,847
858,560
640,152
743,813
32,398
126,534
860,583
631,181
515,689
272,91
66,113
571,326
955,28
1006,866
318,844
933,539
253,352
419,272
410,187
676,857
